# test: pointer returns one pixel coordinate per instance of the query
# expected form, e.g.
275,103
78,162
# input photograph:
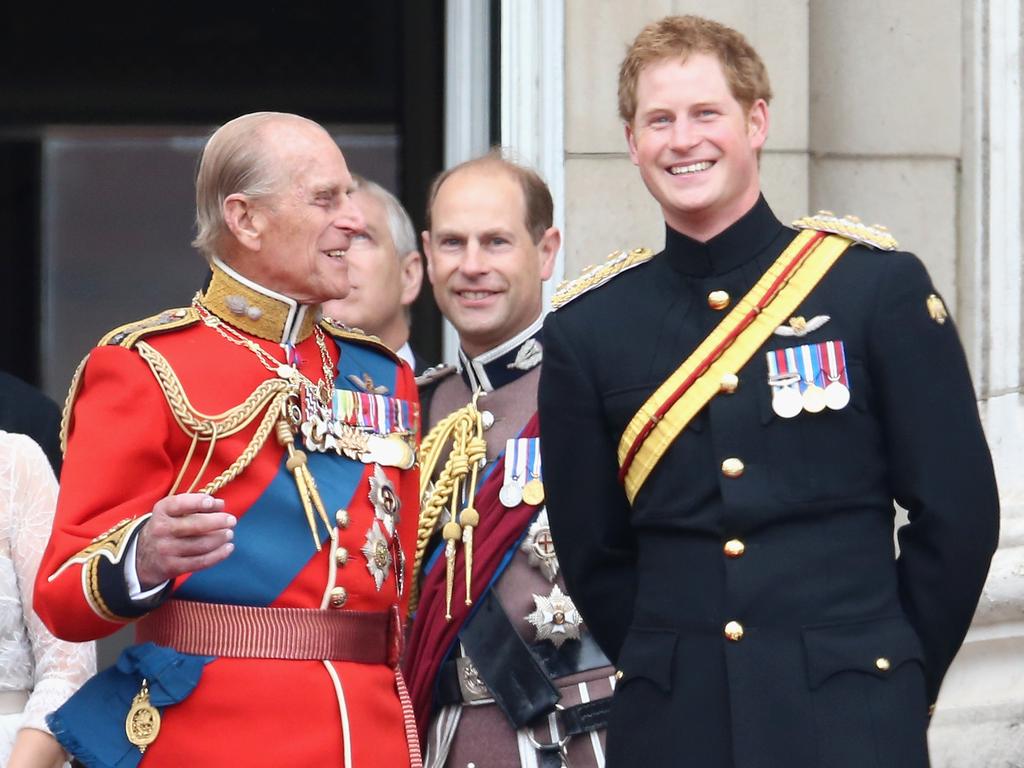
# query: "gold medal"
533,492
814,399
143,722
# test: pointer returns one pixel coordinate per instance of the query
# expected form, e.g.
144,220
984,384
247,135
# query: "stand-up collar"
257,310
506,362
726,251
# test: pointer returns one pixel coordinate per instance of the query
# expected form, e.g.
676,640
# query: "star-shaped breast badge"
556,618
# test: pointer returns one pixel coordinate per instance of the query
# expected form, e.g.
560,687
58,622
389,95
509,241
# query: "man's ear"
411,276
243,220
547,249
757,124
425,238
631,142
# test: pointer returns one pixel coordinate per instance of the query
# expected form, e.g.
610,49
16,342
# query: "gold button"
339,596
341,517
618,674
734,548
734,631
729,383
341,555
718,299
883,664
732,467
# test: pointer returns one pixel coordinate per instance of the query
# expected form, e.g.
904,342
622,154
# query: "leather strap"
665,414
242,631
517,681
571,658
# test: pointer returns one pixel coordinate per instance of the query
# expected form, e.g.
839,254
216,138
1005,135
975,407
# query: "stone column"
979,720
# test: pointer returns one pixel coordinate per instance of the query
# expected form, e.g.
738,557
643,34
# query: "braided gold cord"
263,432
193,421
455,428
65,417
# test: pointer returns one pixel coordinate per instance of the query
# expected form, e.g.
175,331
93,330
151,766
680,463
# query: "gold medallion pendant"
533,492
814,399
143,722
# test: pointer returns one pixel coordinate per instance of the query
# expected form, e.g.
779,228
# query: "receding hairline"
478,166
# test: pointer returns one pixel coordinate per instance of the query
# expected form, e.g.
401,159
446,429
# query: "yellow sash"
691,386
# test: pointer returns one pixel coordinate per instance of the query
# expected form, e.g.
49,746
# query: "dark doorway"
152,73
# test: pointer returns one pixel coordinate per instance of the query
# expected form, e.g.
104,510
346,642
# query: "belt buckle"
473,689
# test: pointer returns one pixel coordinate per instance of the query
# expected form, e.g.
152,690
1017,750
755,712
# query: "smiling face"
696,146
294,240
485,268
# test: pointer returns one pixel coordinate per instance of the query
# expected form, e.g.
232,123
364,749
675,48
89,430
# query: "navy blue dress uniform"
751,595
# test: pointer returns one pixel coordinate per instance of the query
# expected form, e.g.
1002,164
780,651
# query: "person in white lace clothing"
37,671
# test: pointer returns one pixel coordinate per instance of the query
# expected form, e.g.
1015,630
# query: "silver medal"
787,402
511,495
837,396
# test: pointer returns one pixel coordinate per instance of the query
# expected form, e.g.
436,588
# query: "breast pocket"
829,454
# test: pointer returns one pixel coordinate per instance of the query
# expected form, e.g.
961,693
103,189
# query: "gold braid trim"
257,442
594,276
69,401
270,397
195,422
461,429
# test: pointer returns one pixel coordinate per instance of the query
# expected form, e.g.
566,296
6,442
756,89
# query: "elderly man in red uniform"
239,482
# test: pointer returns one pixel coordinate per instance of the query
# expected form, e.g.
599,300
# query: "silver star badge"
528,356
556,618
540,548
378,555
386,504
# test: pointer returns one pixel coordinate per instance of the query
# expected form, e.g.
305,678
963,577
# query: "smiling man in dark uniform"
727,426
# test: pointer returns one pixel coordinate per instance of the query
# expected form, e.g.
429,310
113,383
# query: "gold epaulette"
434,374
850,227
357,336
594,276
168,320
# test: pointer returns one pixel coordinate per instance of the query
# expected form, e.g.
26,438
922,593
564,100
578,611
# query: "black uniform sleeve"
587,508
939,462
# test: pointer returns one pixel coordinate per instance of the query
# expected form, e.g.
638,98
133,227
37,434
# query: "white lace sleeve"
60,667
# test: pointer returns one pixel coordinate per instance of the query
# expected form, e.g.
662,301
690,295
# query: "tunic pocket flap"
876,646
649,653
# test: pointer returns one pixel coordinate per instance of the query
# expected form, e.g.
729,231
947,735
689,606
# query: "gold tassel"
451,533
309,494
464,429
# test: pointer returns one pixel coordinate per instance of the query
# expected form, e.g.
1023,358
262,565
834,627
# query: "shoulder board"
357,336
435,374
168,320
850,227
593,276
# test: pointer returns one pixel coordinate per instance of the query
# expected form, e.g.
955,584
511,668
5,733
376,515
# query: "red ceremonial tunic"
125,451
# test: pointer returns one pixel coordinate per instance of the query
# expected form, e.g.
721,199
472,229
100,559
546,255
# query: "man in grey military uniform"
727,425
515,679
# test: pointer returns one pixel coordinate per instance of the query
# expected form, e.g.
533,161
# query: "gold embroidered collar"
256,310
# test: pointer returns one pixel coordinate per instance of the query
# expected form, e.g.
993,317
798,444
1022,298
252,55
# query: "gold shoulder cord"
272,397
463,430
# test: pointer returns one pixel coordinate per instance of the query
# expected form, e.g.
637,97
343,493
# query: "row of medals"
788,401
512,494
